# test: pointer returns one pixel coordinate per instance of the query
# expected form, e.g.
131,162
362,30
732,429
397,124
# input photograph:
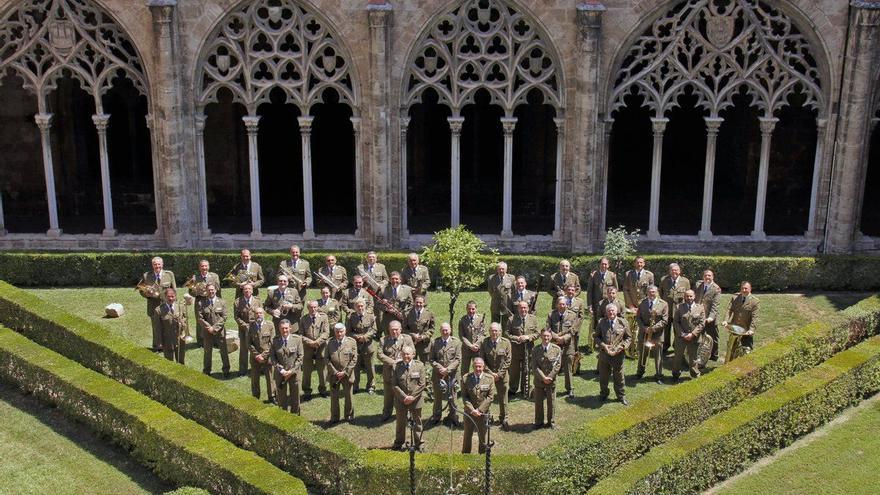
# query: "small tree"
620,245
462,260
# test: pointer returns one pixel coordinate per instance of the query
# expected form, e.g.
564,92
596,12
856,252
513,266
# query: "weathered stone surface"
114,310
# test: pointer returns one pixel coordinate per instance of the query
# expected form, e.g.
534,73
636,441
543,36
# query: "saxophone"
182,321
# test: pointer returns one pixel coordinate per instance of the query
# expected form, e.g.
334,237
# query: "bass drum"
632,351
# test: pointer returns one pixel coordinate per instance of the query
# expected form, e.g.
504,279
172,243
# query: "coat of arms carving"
62,36
719,29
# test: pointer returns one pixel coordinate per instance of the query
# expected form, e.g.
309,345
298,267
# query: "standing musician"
420,326
409,380
172,318
375,271
259,347
353,293
522,330
672,289
152,287
611,298
244,311
556,284
399,299
471,332
334,273
562,322
576,305
546,363
283,304
690,320
286,359
361,326
416,275
477,393
315,331
612,337
500,287
329,307
342,358
495,352
597,288
520,293
246,271
652,318
445,359
635,283
743,311
391,353
212,317
708,293
196,288
298,272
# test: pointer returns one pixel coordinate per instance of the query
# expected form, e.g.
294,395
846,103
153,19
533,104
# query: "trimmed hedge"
583,457
766,273
727,443
177,449
323,460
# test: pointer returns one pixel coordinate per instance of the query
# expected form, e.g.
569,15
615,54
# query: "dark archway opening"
482,165
428,179
226,166
280,153
22,183
333,167
683,169
629,166
870,224
534,167
736,169
130,155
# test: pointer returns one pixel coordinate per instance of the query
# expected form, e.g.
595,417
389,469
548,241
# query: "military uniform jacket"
260,339
401,298
517,326
744,313
243,310
276,298
598,286
392,350
253,274
689,320
673,293
556,284
314,331
564,326
330,307
604,303
608,331
353,294
417,278
165,280
477,393
377,271
287,357
410,380
526,295
710,297
341,356
302,271
214,314
635,286
546,364
658,312
576,305
446,355
499,289
170,317
422,324
362,326
208,278
339,277
497,356
472,332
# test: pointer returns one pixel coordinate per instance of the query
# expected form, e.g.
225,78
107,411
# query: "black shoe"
640,374
505,426
659,379
433,421
371,391
356,391
272,400
307,397
350,419
603,397
397,447
676,378
323,394
384,418
455,422
536,426
623,401
570,394
226,375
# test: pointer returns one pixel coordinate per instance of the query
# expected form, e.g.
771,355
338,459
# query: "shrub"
177,449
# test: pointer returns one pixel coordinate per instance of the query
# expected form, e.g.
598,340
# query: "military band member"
500,286
361,326
546,363
522,330
196,288
286,359
158,279
353,293
580,310
520,293
597,288
420,326
212,317
246,271
329,307
391,353
477,392
315,332
416,275
259,347
244,311
611,298
409,380
556,284
672,289
445,359
743,311
336,274
298,272
375,271
172,318
708,293
342,357
612,337
399,296
690,320
635,284
563,323
471,332
652,318
284,303
496,353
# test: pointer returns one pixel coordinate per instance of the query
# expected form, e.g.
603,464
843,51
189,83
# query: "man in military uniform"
445,359
409,380
477,392
361,326
329,307
286,359
315,331
500,286
196,288
520,293
283,304
157,280
611,298
172,318
556,284
563,323
416,275
420,326
297,271
635,284
212,317
672,289
496,353
708,293
743,311
690,319
259,346
244,311
335,274
353,293
398,297
597,288
576,305
342,357
522,330
612,336
546,363
374,272
471,332
246,271
391,353
652,318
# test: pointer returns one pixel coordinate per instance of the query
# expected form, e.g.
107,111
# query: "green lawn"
780,315
44,452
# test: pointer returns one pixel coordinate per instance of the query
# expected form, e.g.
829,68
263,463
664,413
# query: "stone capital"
356,124
379,14
767,125
589,22
251,123
508,124
404,124
455,124
200,123
305,124
658,124
44,121
560,124
102,121
713,124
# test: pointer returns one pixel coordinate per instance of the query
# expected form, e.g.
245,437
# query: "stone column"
380,177
767,126
252,125
358,174
455,124
604,152
44,122
2,218
154,157
203,182
821,127
508,124
586,203
404,157
305,130
712,126
101,122
560,147
659,125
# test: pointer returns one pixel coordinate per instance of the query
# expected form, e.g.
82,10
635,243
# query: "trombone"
647,342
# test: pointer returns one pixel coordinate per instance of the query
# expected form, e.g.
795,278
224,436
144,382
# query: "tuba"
734,349
149,291
704,349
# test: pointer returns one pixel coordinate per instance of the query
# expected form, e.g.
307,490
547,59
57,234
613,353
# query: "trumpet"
327,280
372,282
150,291
292,276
